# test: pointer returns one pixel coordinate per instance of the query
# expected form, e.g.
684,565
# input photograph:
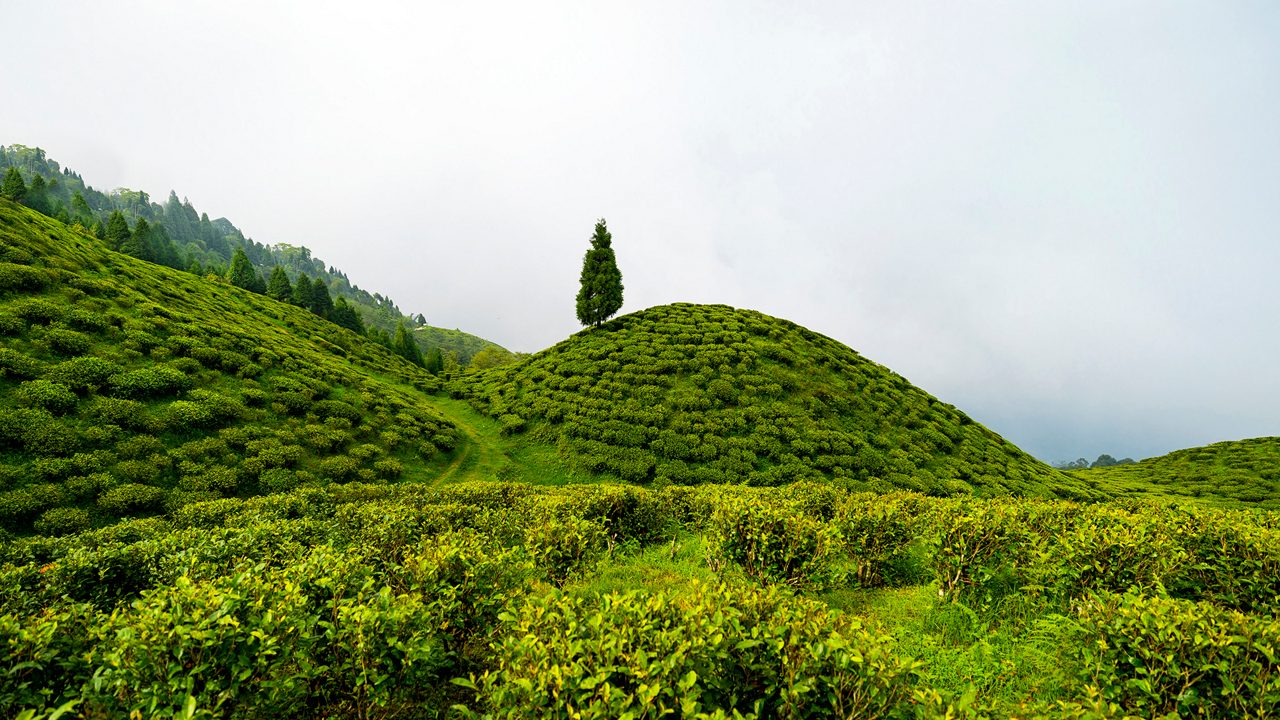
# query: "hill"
176,235
128,388
1239,473
692,394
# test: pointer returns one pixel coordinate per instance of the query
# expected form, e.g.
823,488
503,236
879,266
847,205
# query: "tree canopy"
600,294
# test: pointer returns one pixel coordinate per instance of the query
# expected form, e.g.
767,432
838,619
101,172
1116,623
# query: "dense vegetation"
199,520
1229,474
693,393
127,388
600,601
176,235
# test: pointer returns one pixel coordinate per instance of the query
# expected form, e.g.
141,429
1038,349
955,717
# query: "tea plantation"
690,394
215,505
129,389
607,601
1241,473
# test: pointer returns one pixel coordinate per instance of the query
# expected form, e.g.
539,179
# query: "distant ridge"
707,393
1235,473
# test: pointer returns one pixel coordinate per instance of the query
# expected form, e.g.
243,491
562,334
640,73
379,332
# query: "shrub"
1158,657
129,414
14,364
772,542
697,652
44,395
149,382
63,521
19,506
131,498
64,341
561,543
279,480
336,408
21,277
50,437
82,319
388,469
83,373
36,311
338,468
181,415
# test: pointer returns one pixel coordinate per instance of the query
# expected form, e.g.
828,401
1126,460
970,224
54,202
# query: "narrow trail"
480,456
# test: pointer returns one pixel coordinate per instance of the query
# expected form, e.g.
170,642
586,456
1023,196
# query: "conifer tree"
321,302
301,291
117,231
278,285
600,294
241,273
13,187
138,244
346,316
405,347
434,361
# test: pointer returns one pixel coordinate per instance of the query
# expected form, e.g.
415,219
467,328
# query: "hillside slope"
1238,473
696,393
183,238
128,388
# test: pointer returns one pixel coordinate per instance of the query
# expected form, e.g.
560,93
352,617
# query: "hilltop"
1237,473
691,394
129,388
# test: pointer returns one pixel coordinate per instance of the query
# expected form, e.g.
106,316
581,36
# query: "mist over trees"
175,234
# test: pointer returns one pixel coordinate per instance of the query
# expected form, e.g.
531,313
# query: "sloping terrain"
127,388
183,238
1238,473
691,394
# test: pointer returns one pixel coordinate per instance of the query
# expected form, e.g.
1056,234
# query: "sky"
1060,217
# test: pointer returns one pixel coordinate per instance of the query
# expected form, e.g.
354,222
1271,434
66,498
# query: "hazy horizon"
1060,219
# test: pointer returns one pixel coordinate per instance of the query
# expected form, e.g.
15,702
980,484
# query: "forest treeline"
175,234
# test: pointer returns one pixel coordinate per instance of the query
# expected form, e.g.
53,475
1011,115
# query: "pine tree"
138,244
301,291
405,347
600,294
346,316
241,273
278,285
321,302
13,188
117,231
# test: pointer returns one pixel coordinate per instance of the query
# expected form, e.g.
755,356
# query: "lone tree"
601,293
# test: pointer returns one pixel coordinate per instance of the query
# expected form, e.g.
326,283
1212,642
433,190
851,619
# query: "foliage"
1241,473
693,394
113,354
600,293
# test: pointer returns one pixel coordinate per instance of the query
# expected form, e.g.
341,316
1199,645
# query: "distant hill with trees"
175,234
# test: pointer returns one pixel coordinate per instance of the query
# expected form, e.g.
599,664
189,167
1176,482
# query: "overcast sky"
1060,217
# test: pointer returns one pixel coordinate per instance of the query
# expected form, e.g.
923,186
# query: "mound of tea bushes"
129,389
1239,473
691,394
479,600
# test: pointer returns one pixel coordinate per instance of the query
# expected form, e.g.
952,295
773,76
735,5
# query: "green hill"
1239,473
692,394
128,388
176,235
